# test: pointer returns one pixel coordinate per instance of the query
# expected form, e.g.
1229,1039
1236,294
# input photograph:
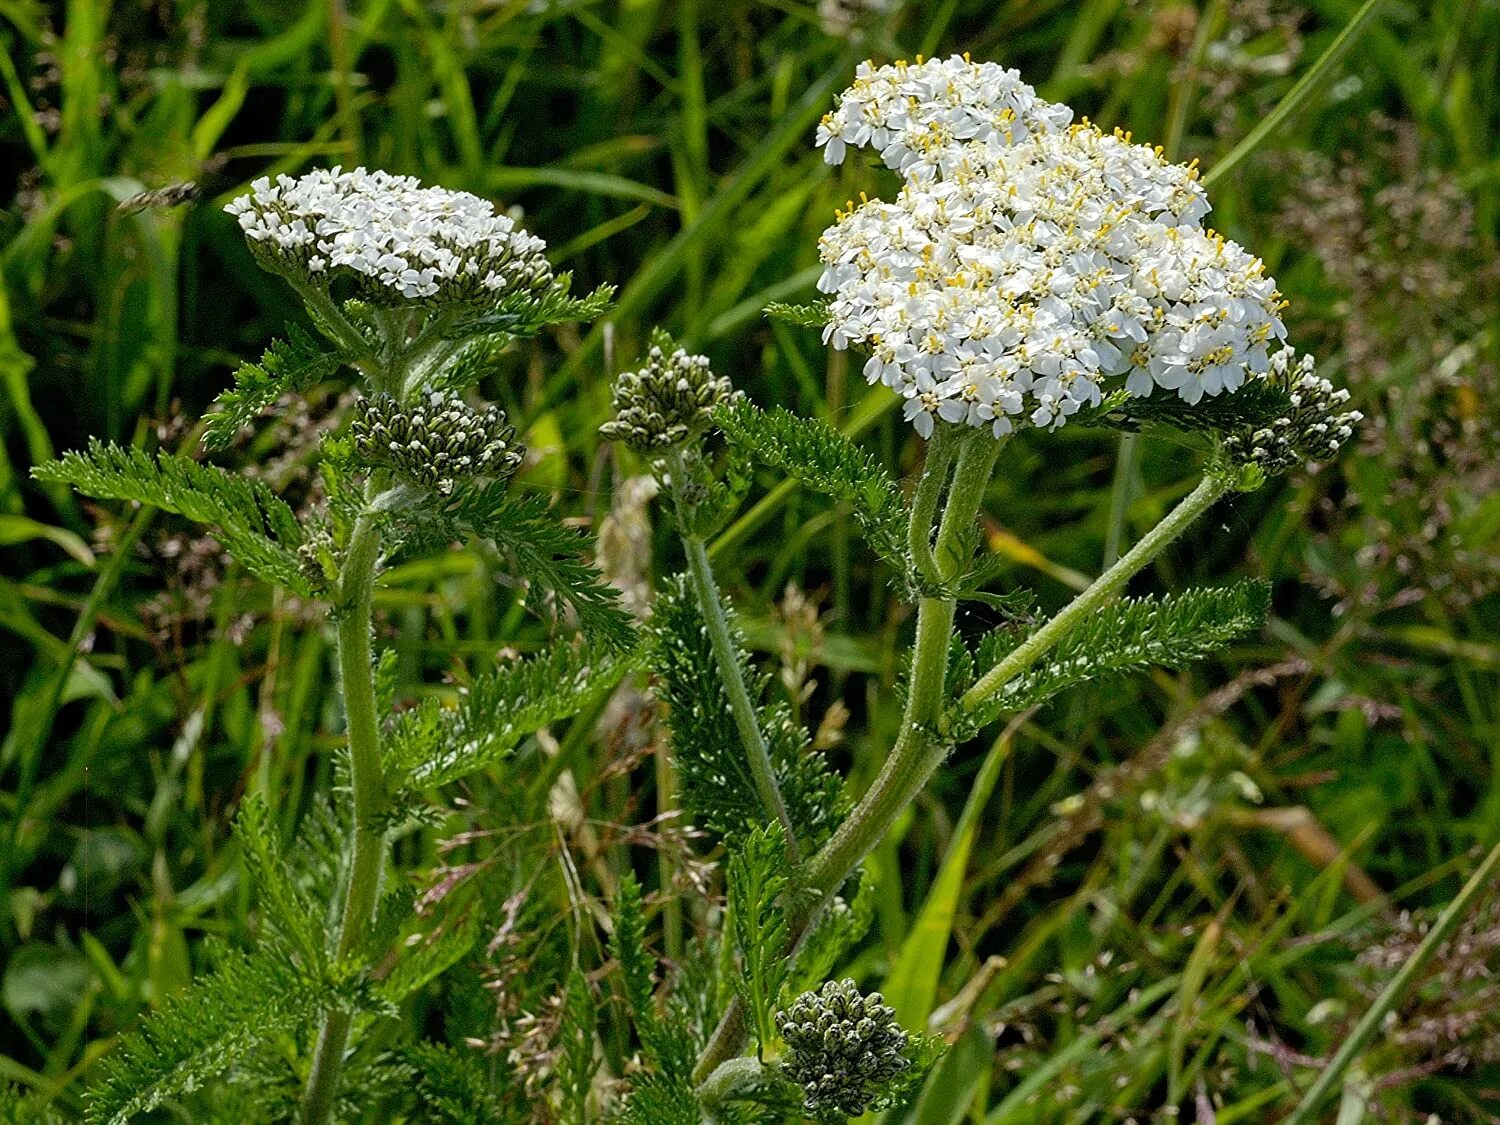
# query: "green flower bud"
843,1048
437,441
1313,430
667,403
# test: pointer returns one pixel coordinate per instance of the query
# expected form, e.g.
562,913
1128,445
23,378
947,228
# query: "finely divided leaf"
814,315
291,366
252,523
758,878
716,784
1254,404
824,459
1131,634
247,1000
547,553
434,744
525,314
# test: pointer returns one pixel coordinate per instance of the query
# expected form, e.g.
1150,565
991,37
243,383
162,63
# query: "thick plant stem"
1101,591
1395,989
356,672
743,710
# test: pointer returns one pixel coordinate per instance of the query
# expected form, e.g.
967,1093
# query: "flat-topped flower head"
437,441
915,114
401,242
1020,270
667,402
843,1048
1314,429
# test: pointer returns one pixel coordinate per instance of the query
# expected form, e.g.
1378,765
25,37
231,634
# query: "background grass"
1169,896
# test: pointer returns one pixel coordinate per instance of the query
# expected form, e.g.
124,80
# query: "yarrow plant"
1031,273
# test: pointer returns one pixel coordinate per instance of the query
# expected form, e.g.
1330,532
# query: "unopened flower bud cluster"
437,441
1314,429
400,241
1027,260
843,1048
667,402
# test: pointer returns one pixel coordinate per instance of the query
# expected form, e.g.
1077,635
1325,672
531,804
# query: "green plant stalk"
1397,987
920,748
717,623
1102,590
916,753
924,503
1304,88
367,860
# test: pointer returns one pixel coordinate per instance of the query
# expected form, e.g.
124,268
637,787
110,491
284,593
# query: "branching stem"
1102,590
920,746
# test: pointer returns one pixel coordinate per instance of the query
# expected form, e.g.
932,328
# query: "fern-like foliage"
1255,404
252,523
1131,634
246,1001
813,315
291,366
289,916
434,744
453,1086
576,1060
522,314
839,926
717,787
659,1099
758,878
426,957
825,460
546,552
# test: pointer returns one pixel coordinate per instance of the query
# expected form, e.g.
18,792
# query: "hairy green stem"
1396,988
367,859
740,705
924,502
920,748
916,753
725,1078
1101,591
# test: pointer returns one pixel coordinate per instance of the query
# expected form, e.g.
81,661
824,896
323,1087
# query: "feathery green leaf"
244,1002
716,784
758,878
252,523
1131,634
291,366
434,744
825,460
813,315
546,552
521,314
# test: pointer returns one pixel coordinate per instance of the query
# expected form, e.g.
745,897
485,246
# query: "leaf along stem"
1102,590
367,859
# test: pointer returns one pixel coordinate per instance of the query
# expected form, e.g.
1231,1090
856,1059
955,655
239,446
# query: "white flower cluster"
1027,260
916,116
400,240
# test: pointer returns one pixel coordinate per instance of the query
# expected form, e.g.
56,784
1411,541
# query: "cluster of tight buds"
666,403
1314,429
843,1048
436,441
